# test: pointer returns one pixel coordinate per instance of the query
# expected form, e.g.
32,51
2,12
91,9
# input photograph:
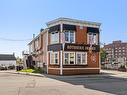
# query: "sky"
20,19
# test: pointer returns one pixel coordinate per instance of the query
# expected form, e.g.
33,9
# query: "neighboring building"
38,50
116,51
67,47
7,60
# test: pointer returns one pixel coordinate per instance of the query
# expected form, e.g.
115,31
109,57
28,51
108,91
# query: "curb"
30,74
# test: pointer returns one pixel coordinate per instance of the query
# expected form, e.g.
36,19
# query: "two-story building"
72,47
38,50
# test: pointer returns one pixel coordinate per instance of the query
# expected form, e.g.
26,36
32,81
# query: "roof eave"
73,21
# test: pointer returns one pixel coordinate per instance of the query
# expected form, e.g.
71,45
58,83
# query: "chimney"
41,29
33,36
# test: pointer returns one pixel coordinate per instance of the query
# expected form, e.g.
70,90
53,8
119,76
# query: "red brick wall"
81,35
80,71
81,38
90,59
54,71
74,71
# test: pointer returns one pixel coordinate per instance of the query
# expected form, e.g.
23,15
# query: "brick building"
38,50
68,46
116,50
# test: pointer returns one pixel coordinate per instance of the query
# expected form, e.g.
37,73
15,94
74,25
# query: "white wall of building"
7,62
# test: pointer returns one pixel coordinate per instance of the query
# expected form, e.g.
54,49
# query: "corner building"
73,47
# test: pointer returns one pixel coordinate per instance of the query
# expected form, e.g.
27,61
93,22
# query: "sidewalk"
103,73
115,73
23,73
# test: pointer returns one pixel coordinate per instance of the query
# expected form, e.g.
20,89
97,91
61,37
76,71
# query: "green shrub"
35,70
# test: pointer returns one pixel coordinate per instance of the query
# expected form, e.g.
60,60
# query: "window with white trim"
54,37
81,58
36,43
69,58
30,48
69,36
54,58
66,58
92,38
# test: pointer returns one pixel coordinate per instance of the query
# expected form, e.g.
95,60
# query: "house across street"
7,61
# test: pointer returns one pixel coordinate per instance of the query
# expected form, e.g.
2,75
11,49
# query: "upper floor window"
36,43
69,36
93,38
54,37
30,48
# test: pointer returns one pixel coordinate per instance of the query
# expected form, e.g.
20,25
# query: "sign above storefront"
77,47
73,47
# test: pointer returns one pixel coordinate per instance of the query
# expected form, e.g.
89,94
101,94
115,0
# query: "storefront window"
54,37
78,58
81,58
72,58
84,58
66,58
69,36
54,58
69,58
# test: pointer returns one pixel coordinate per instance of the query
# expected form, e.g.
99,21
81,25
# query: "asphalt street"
104,84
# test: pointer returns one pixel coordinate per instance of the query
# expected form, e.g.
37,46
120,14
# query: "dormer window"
69,36
54,37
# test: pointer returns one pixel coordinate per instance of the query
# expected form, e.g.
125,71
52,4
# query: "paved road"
15,84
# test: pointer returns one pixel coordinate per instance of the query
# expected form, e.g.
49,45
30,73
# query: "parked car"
11,67
3,68
122,68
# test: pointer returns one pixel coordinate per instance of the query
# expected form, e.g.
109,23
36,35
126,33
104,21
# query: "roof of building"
115,43
74,22
66,21
36,37
7,57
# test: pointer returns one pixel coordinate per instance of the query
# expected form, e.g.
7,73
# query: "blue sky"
19,19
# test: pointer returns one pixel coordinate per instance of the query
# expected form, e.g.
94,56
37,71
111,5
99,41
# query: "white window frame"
69,37
52,40
36,43
69,58
30,49
96,38
54,57
81,58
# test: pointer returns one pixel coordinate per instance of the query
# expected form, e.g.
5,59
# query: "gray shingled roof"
7,57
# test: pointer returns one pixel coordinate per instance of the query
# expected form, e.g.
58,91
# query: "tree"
103,55
19,61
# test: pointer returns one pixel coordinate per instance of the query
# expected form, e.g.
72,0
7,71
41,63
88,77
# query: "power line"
6,39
